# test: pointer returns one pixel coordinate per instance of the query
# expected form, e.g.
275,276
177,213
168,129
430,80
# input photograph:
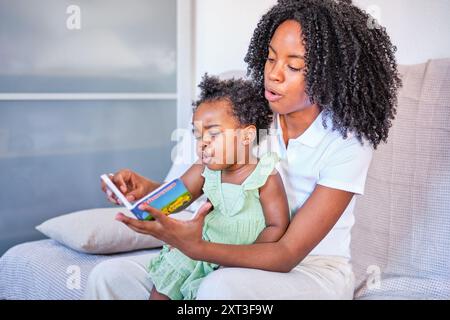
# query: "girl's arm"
131,184
310,225
134,186
193,180
276,209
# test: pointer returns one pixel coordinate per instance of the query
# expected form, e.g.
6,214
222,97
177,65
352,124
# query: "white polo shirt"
321,156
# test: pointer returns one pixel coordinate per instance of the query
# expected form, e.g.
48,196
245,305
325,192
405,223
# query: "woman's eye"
295,69
270,59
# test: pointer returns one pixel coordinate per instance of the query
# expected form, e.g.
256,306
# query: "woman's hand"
183,235
132,185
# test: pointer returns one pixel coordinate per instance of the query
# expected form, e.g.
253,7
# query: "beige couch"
401,240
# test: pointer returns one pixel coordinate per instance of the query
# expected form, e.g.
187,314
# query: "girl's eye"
197,135
270,59
214,134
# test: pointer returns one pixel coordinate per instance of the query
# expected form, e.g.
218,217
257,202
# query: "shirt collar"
312,136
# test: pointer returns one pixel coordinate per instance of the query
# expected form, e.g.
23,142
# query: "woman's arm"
275,207
310,225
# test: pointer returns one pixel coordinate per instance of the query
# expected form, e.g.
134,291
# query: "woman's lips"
272,96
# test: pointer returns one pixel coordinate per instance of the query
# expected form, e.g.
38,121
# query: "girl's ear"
248,135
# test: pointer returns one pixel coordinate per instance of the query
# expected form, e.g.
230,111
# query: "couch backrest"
403,221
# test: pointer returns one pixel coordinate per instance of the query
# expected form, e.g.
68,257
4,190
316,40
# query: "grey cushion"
403,221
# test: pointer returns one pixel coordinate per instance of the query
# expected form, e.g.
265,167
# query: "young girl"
330,77
227,120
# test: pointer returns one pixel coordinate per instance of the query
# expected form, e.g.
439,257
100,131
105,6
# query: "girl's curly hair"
248,106
351,71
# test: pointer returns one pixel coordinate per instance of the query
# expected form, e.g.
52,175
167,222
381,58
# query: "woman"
331,81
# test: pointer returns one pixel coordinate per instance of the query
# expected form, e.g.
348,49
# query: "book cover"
169,198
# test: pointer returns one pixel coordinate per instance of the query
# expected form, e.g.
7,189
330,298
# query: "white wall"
420,30
223,32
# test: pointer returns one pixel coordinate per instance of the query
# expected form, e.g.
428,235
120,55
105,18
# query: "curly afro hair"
248,106
351,71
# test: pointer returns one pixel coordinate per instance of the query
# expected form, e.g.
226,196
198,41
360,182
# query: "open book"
168,198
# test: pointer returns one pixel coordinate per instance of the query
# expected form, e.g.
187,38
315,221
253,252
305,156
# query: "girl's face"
221,140
284,78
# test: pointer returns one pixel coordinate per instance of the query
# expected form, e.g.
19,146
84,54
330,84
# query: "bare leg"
155,295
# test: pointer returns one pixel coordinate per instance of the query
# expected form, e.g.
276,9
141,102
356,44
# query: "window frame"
184,74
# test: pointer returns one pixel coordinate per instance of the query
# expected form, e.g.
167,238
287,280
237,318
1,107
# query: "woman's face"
218,134
284,78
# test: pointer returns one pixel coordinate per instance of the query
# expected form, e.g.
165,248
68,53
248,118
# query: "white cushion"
96,231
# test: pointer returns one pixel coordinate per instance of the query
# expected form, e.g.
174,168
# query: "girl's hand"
132,185
183,235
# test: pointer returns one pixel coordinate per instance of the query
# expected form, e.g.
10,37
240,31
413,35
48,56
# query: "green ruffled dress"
237,218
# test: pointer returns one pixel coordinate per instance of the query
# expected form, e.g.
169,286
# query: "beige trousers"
316,277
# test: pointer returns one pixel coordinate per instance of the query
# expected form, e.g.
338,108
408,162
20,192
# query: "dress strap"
263,170
211,187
